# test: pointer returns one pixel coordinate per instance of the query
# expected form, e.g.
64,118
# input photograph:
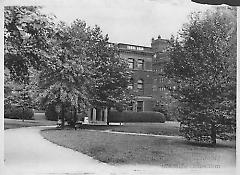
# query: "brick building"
161,84
148,81
140,62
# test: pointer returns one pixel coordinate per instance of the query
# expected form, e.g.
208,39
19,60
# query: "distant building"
161,84
140,62
148,83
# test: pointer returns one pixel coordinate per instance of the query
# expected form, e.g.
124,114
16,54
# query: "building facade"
148,83
140,63
161,84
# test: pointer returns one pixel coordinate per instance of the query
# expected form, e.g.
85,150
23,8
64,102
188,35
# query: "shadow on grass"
225,144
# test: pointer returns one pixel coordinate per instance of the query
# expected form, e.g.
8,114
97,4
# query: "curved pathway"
28,153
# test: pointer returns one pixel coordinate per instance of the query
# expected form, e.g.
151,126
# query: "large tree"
83,70
63,81
26,35
109,72
203,64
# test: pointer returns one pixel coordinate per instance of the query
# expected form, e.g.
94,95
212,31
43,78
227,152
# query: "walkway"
28,153
141,134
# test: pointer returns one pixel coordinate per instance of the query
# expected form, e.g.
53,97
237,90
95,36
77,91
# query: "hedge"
132,117
51,114
14,112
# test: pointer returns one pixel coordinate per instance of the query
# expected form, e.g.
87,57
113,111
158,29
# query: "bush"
14,112
51,114
132,117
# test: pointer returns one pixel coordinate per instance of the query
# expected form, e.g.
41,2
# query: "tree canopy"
203,64
26,34
83,70
73,64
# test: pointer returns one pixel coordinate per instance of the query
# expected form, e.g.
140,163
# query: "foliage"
63,81
26,43
21,95
26,34
51,113
15,112
69,65
203,64
110,75
83,70
132,117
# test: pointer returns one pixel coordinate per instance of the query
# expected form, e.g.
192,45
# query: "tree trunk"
23,114
62,116
108,110
75,118
213,134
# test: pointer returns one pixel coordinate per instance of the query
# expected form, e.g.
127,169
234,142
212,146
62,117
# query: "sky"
125,21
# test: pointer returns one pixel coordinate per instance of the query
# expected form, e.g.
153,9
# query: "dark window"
139,106
130,85
131,63
140,85
140,64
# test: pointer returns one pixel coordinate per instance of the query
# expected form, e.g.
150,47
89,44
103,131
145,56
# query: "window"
162,89
140,85
140,64
139,106
131,47
162,79
131,63
110,45
140,48
130,85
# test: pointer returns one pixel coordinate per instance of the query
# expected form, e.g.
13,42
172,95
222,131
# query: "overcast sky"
126,21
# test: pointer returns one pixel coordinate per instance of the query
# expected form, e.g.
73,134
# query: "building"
148,83
140,62
161,84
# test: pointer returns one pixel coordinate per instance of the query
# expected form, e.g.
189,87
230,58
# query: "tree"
63,81
110,75
83,70
203,64
26,34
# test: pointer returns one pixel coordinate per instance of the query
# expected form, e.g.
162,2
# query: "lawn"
127,149
13,123
167,128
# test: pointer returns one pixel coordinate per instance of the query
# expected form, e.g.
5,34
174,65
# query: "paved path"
28,153
141,134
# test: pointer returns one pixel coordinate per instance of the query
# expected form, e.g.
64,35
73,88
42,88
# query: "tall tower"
159,44
160,58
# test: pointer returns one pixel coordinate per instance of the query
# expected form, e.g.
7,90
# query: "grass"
14,123
128,149
167,128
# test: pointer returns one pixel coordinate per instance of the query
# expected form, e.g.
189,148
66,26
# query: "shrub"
51,114
132,117
15,112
